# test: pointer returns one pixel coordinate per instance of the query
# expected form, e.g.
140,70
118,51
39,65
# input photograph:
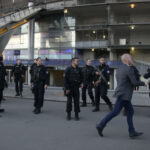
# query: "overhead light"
104,36
65,11
132,6
132,49
94,31
132,27
93,49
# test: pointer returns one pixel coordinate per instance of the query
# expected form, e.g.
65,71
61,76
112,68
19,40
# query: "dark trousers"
90,92
117,109
1,95
101,91
38,95
19,85
74,94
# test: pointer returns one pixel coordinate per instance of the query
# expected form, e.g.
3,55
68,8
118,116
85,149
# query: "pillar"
31,44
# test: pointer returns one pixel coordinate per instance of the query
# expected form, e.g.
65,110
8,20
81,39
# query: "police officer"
39,81
19,72
101,84
88,78
2,80
146,76
72,83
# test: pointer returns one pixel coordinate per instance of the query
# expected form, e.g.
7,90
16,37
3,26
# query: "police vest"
18,69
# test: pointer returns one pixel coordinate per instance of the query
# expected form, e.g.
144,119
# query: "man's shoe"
68,116
2,110
100,131
96,110
84,105
135,134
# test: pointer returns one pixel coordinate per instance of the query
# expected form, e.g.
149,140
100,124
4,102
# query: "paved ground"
20,129
56,94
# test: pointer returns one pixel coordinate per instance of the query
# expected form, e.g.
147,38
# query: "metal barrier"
63,63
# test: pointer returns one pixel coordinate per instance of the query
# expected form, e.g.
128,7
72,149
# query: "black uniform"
32,68
18,71
137,75
39,79
146,76
88,78
101,88
2,80
72,82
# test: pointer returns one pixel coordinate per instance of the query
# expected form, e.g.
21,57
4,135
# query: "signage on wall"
16,52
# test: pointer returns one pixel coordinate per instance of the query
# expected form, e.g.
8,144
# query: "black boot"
17,94
37,111
77,116
34,110
93,103
2,110
68,116
95,110
83,104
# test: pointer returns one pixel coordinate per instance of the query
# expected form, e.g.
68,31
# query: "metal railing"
10,6
62,62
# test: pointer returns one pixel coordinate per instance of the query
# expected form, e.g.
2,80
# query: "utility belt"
75,84
38,82
35,84
17,74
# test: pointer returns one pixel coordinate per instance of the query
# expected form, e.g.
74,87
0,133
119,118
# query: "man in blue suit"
126,80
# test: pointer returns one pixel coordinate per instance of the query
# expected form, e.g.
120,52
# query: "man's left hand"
45,86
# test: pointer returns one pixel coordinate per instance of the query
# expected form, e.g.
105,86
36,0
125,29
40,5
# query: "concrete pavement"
20,129
140,98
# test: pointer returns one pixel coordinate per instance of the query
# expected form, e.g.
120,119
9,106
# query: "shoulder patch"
108,71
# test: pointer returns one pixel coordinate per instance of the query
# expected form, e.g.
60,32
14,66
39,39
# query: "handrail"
8,7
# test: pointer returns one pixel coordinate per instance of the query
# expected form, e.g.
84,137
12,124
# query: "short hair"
38,58
101,58
74,58
18,59
88,59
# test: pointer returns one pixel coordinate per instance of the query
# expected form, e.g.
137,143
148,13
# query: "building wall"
142,55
